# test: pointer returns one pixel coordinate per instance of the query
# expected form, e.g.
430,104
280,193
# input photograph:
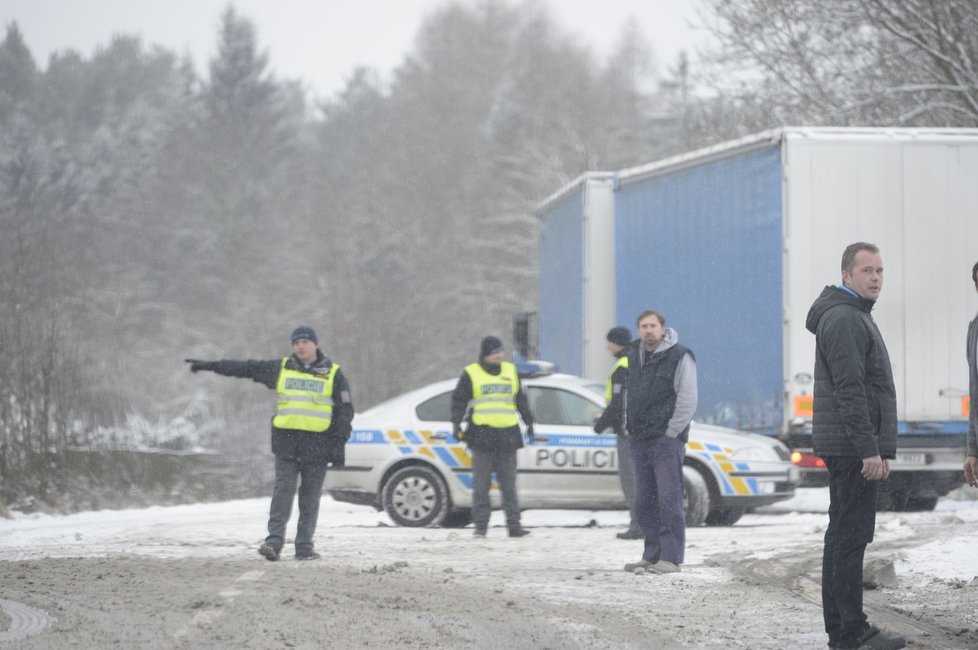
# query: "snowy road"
189,577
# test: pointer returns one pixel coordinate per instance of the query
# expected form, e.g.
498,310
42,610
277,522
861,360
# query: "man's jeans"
484,463
659,497
287,474
626,475
852,522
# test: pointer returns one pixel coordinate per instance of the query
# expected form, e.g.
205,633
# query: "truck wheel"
416,496
696,497
921,503
894,494
457,519
727,517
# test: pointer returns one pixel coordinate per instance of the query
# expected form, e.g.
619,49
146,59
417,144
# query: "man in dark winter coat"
971,459
660,400
613,419
854,431
489,396
309,431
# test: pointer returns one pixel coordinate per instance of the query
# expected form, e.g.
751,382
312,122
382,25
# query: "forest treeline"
149,213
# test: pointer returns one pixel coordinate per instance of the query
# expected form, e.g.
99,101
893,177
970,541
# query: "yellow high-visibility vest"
494,396
305,401
621,363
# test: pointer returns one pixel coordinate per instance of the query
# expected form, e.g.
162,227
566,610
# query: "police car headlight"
756,454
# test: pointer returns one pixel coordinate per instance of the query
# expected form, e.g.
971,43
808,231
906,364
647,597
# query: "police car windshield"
597,389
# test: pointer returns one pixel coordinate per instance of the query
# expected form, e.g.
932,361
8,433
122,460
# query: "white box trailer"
734,242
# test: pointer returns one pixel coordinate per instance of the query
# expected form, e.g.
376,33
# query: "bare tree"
848,62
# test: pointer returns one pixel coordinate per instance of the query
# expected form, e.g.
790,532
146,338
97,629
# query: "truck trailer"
733,243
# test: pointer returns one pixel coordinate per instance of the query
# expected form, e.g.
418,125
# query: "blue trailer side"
561,290
703,245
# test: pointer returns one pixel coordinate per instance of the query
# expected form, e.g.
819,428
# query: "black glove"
336,449
529,433
197,365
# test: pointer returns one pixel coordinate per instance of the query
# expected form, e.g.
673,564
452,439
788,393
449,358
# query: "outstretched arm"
263,372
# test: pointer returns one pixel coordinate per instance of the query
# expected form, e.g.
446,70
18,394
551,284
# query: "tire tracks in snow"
24,621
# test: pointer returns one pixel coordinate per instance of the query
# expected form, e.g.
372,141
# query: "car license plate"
911,459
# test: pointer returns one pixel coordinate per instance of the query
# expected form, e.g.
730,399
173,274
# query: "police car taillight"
802,459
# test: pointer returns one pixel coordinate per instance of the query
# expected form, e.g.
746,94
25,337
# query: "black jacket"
484,437
855,411
292,444
614,415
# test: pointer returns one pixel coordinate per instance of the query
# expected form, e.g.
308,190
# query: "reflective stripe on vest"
621,363
305,401
494,396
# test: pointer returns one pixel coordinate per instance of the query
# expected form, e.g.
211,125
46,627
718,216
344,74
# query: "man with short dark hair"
971,458
854,431
660,400
613,419
309,431
490,398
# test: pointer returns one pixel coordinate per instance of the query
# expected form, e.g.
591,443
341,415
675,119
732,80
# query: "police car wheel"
696,497
727,517
457,519
416,496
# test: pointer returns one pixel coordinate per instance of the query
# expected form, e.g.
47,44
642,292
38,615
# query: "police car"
402,458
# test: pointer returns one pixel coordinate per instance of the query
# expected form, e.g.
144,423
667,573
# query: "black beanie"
489,345
304,332
619,336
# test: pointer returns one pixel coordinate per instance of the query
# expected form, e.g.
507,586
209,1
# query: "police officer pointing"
490,393
311,426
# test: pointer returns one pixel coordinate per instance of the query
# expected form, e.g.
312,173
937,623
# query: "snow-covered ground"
755,580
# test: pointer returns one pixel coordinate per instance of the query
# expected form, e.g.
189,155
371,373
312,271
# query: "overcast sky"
319,41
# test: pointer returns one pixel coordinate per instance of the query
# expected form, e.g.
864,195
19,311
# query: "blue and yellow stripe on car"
448,450
730,484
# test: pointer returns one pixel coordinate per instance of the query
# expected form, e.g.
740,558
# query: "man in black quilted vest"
660,399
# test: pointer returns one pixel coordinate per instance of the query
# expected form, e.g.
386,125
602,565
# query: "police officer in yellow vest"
613,420
489,393
309,431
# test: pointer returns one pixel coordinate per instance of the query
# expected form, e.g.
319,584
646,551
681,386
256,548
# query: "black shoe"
876,639
307,555
518,531
631,534
268,552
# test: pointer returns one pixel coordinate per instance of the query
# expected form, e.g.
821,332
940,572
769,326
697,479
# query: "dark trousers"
659,497
287,475
852,522
502,461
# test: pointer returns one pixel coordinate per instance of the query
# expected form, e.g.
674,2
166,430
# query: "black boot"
268,552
